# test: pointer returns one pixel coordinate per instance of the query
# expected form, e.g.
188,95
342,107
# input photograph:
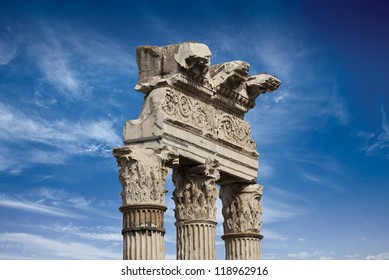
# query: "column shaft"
241,247
196,241
143,232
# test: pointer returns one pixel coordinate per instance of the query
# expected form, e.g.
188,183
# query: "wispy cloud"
272,235
265,169
352,257
17,126
308,97
99,233
64,138
8,46
33,207
280,205
54,202
70,59
377,144
304,255
54,62
40,247
381,256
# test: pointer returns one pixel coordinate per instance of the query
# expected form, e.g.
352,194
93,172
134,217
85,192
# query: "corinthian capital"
241,207
142,173
196,193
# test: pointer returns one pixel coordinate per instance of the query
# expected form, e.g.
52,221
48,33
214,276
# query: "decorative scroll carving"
211,121
142,173
241,208
196,193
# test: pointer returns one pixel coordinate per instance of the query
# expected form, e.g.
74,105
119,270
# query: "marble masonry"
192,121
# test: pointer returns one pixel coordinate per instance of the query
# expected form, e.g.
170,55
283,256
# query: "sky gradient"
67,73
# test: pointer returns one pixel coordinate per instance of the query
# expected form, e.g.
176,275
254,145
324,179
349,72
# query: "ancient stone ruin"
192,121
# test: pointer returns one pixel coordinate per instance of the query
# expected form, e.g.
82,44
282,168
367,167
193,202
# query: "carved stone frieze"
211,122
241,207
142,173
196,193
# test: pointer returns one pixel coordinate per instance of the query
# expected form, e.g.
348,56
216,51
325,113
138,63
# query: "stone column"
242,213
195,199
142,173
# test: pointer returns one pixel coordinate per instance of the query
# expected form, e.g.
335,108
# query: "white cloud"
377,144
279,211
298,114
306,100
352,257
8,163
17,126
7,52
99,233
8,46
271,235
72,59
269,256
381,256
39,208
55,65
304,255
40,247
265,169
65,137
55,202
100,51
300,255
280,205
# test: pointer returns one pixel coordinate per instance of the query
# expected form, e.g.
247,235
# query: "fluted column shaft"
195,199
242,213
142,173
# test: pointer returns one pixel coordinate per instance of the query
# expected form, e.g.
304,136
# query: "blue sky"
67,72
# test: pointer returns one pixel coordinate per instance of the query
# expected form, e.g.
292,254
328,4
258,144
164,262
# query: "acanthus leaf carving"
142,173
195,191
242,210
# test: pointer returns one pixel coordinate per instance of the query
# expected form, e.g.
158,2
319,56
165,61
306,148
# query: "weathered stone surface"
192,121
242,213
196,130
142,174
195,199
196,193
261,83
158,65
241,207
194,57
230,75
